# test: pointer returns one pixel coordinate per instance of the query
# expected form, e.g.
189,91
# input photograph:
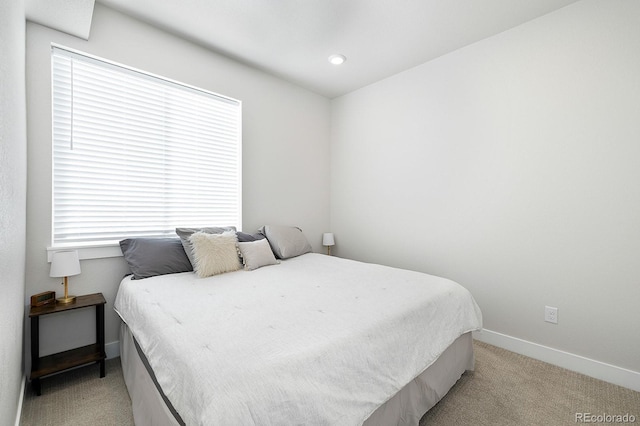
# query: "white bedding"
314,340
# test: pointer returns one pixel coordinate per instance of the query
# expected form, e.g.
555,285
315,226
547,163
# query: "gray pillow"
256,254
243,237
148,257
185,233
286,241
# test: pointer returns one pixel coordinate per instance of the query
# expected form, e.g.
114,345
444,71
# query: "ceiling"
292,39
71,16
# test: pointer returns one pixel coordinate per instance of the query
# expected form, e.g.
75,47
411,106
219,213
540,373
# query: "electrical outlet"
551,314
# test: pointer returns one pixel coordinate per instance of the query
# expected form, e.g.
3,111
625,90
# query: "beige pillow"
256,254
214,253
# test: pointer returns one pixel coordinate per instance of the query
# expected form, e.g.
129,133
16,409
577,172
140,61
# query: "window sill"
89,251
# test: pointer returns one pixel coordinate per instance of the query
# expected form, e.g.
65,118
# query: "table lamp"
328,241
65,264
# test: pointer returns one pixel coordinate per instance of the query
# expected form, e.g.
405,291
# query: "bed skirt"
404,409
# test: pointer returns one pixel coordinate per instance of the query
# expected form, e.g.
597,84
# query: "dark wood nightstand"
43,366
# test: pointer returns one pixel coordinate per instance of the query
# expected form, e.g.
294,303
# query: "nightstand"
43,366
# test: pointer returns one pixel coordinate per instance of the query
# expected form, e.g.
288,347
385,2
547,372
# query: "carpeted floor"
505,389
511,389
80,398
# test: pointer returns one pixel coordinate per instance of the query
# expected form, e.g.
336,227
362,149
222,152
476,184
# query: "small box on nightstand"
44,298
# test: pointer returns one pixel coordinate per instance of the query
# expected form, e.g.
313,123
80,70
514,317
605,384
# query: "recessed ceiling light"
337,59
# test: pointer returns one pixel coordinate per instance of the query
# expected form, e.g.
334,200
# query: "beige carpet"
80,398
505,389
511,389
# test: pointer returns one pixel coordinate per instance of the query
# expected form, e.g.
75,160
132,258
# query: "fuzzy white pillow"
214,253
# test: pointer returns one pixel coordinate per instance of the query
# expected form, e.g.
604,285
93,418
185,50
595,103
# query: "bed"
312,339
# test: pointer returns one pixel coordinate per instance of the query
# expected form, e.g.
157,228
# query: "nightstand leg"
100,336
35,352
36,386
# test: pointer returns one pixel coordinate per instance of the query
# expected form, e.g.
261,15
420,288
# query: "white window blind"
138,155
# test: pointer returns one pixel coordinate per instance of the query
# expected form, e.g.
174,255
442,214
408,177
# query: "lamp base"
66,300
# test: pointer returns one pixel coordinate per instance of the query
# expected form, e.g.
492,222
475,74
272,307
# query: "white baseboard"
599,370
112,349
21,400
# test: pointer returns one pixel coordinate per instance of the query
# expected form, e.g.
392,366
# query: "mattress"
314,340
152,408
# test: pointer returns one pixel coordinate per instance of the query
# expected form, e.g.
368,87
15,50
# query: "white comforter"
316,340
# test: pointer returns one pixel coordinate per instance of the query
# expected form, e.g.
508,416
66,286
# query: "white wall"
513,167
285,151
13,173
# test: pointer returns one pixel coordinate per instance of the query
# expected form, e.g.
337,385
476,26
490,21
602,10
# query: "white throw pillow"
214,253
186,233
256,254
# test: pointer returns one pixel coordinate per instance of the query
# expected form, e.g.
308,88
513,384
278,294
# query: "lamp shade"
327,239
65,264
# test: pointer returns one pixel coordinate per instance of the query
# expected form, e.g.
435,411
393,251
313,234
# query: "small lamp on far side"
65,264
328,241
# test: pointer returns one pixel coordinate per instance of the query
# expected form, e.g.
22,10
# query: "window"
138,155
